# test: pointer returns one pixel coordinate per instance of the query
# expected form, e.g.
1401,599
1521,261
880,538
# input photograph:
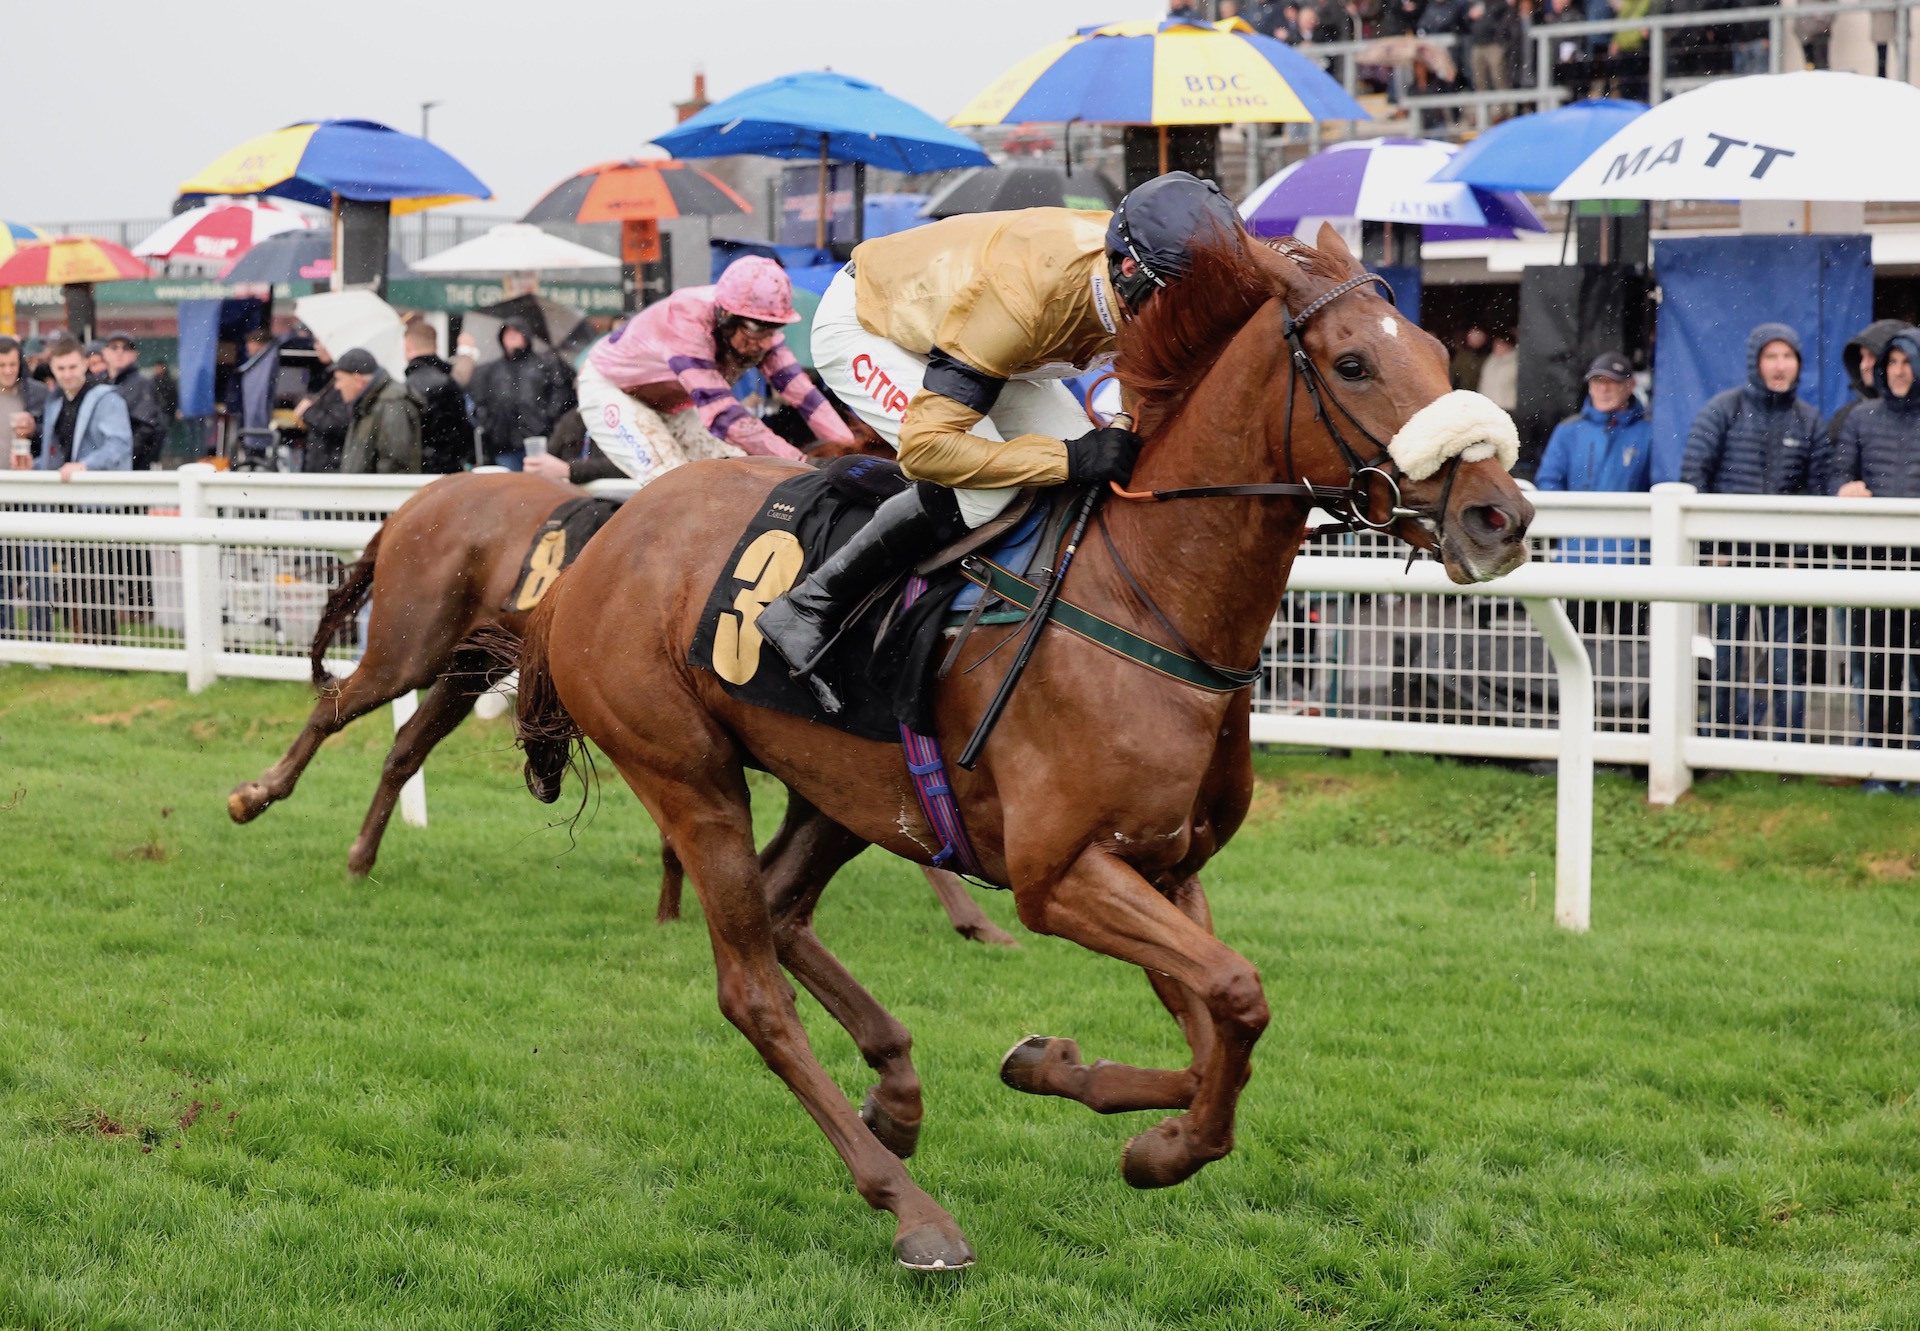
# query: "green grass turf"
239,1089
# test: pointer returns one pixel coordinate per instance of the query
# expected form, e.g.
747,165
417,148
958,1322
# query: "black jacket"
446,434
519,395
1498,25
143,411
1750,441
1880,442
327,419
1874,338
569,443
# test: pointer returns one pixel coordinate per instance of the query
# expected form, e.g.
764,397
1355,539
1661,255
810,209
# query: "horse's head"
1364,407
1384,398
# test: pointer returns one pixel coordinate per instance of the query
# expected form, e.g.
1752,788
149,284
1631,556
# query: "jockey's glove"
1102,455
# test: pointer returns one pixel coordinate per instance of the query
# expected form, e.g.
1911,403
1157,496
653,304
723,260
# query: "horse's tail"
343,603
547,734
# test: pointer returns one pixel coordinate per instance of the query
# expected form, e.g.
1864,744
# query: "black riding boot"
900,534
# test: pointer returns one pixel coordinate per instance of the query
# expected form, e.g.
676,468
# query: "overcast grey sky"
115,104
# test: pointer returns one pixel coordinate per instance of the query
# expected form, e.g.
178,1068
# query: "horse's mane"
1166,349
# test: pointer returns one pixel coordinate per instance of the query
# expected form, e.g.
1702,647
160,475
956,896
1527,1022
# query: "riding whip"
1037,621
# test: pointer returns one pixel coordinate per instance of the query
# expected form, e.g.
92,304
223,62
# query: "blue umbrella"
1535,153
824,115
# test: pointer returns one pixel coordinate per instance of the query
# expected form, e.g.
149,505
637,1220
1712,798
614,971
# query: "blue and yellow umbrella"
1174,72
315,160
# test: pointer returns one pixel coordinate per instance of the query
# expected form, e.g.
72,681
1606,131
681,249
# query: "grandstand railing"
1735,632
1347,58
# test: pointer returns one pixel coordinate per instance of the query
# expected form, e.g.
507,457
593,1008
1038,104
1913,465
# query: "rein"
1351,505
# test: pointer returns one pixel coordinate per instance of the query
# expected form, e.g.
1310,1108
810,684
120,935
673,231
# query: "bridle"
1353,504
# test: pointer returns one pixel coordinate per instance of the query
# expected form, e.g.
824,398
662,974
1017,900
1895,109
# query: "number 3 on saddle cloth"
882,664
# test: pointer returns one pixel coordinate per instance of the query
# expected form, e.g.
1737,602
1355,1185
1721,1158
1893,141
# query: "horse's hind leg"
968,919
443,708
672,875
707,818
1103,904
371,685
1051,1065
797,866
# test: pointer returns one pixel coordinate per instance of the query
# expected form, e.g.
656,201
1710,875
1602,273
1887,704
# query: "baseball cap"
123,339
357,361
1611,365
95,347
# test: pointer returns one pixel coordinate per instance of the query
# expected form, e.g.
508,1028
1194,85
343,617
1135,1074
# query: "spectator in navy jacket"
1760,439
1858,358
1877,454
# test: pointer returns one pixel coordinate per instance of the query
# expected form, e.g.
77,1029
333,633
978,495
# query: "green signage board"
408,294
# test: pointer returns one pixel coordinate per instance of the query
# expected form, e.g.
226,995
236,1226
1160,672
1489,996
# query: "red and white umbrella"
219,232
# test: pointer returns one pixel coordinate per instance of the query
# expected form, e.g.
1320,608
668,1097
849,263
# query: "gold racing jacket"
988,297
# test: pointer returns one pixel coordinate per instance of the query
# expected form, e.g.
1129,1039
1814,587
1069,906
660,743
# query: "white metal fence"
1720,632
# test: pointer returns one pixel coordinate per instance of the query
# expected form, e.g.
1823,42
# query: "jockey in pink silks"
658,393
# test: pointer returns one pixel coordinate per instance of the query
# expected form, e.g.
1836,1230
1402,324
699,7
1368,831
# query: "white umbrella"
344,320
515,247
1812,136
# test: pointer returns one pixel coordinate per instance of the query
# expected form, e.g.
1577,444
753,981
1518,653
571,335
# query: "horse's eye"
1350,368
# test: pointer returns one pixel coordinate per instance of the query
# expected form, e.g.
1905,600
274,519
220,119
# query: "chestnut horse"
439,572
1107,786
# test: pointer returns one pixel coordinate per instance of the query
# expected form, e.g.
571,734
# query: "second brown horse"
441,573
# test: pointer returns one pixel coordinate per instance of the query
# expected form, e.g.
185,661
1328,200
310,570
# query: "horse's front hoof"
247,802
896,1136
933,1247
1027,1064
1160,1157
360,860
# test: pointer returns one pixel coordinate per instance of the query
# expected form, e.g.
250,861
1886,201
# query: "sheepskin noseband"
1462,424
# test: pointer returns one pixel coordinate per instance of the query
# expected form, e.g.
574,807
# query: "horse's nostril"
1496,519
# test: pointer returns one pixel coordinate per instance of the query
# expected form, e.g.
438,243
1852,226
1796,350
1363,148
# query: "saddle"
555,546
881,664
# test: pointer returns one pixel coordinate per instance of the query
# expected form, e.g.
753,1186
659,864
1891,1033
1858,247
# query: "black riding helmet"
1156,225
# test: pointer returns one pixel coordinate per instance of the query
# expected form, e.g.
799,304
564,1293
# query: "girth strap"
1102,633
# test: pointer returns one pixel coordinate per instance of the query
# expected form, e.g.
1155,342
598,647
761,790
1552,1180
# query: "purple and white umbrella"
1386,180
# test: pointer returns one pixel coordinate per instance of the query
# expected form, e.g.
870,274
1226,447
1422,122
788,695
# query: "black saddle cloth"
556,545
879,665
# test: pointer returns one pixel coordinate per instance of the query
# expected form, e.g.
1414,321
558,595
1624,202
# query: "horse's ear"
1330,244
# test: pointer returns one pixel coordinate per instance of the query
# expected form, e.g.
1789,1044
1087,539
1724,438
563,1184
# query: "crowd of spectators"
1760,437
1494,43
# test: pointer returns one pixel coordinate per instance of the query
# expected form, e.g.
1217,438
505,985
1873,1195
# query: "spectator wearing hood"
520,395
1858,358
385,434
446,434
1758,439
1877,455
